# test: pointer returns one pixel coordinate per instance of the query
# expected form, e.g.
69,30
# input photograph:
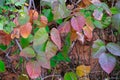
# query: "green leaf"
116,21
1,26
113,48
2,2
117,5
26,41
23,18
114,10
27,52
39,40
2,66
48,14
3,47
59,21
70,76
98,24
98,48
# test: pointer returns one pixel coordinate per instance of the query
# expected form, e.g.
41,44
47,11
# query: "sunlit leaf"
2,66
43,60
27,52
83,70
25,30
5,38
33,69
55,36
78,23
98,48
107,62
51,50
113,48
70,76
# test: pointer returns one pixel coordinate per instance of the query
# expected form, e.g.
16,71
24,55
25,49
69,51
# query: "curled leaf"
15,33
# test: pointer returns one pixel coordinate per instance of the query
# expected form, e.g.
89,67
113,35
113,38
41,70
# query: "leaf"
98,24
48,13
74,35
43,60
107,62
39,40
88,33
1,26
113,48
78,23
86,2
55,37
51,50
116,21
33,15
65,27
89,23
25,30
27,52
117,5
81,37
98,14
5,38
2,66
33,69
83,70
16,21
23,77
15,33
98,48
70,76
43,21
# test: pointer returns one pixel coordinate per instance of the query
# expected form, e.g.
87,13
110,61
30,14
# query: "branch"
30,4
18,44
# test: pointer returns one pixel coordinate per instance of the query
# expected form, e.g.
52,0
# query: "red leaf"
15,33
43,21
33,69
78,23
5,38
55,36
33,15
65,27
107,62
25,30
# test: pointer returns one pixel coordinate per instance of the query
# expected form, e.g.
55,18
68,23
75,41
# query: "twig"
18,44
30,4
33,4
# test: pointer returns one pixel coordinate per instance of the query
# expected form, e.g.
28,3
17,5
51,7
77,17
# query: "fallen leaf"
33,69
25,30
27,52
5,38
83,70
78,23
55,37
15,33
107,62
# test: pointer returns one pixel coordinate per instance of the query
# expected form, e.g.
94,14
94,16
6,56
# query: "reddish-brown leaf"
88,33
65,27
33,15
33,69
86,2
15,33
55,37
43,21
25,30
73,36
78,23
5,38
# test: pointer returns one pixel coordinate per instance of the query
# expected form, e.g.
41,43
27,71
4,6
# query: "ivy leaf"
43,60
33,69
25,30
48,13
83,70
78,23
55,37
51,50
113,48
64,27
2,66
107,62
98,48
27,52
40,38
70,76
